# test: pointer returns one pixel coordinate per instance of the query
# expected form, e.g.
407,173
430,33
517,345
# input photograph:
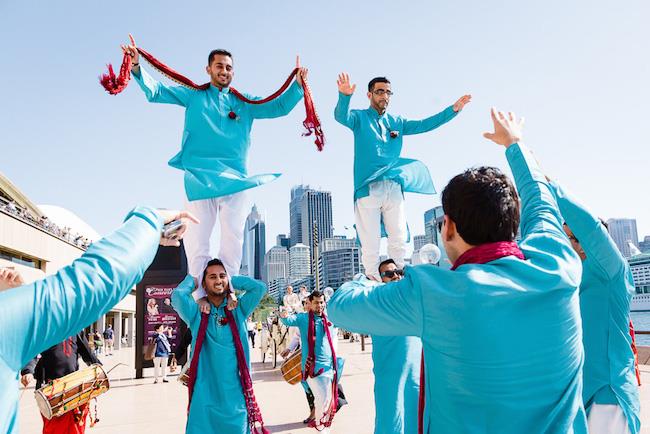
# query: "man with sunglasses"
501,330
396,367
381,177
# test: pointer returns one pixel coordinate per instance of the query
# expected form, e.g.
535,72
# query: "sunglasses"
391,273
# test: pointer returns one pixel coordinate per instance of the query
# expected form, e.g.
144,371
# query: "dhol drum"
291,368
71,391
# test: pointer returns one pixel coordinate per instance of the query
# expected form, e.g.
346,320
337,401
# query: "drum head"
43,404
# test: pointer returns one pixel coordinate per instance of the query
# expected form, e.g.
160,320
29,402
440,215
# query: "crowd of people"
45,223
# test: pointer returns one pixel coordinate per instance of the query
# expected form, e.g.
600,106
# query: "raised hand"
10,278
462,101
302,72
507,128
168,217
344,85
132,51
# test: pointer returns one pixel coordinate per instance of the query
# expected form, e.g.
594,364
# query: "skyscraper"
299,260
276,263
338,266
254,246
431,218
316,210
336,242
622,232
283,240
295,215
419,241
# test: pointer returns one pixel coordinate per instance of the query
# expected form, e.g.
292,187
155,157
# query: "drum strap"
194,364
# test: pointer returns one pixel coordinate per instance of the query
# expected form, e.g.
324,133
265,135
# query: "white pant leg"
607,419
233,210
321,387
156,367
394,214
367,216
197,236
163,365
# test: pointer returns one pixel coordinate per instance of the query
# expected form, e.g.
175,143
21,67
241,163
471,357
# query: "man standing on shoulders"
214,152
381,176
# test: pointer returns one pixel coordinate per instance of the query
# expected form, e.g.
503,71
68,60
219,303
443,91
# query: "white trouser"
607,419
321,387
159,362
231,211
385,200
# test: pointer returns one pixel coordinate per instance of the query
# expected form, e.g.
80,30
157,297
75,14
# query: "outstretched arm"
41,314
435,121
591,233
154,90
393,309
282,105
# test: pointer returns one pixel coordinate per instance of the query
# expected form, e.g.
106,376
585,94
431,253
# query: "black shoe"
165,381
309,420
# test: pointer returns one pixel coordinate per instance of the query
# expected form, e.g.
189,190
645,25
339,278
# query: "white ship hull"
640,303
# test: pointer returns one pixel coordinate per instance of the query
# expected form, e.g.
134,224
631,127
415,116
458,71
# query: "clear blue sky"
579,71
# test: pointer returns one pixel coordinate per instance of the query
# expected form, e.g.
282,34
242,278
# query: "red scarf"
116,84
253,410
481,254
328,415
636,354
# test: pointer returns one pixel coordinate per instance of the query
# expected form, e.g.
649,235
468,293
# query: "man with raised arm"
501,330
381,176
214,152
39,315
610,392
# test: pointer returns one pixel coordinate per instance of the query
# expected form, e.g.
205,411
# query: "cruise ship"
640,267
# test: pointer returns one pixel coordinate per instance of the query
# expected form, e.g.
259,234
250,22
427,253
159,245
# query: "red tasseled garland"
115,85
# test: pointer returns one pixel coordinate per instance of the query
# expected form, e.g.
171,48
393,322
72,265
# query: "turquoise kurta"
377,154
218,403
605,293
503,340
322,350
396,366
37,316
214,148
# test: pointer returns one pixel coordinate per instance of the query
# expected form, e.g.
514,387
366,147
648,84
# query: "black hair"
385,262
210,263
218,52
315,293
371,84
484,205
157,326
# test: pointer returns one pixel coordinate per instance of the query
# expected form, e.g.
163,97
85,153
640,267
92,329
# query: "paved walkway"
139,406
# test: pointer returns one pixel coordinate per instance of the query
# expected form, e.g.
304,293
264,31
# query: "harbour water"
641,321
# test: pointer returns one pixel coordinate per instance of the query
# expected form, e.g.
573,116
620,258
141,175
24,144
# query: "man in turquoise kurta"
396,367
381,176
610,393
501,337
41,314
214,153
218,404
320,385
